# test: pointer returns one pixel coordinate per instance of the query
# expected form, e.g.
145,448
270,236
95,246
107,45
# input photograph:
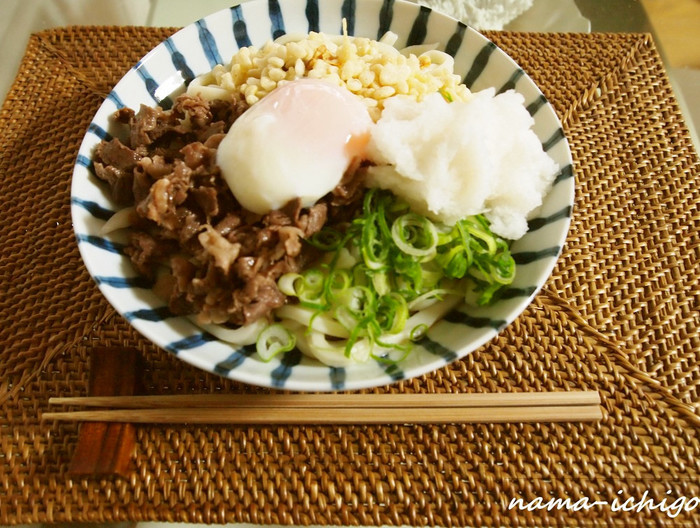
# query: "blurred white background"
675,24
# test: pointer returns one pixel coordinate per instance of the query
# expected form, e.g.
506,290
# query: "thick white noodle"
205,86
418,49
314,343
322,323
426,317
245,335
439,59
389,38
118,220
429,298
290,37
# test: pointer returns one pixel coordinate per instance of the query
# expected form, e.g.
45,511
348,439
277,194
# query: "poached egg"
297,142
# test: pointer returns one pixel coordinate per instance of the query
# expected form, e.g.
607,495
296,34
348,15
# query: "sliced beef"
258,298
351,187
115,163
151,124
114,152
223,261
147,252
291,238
314,220
228,224
222,251
196,108
207,199
198,155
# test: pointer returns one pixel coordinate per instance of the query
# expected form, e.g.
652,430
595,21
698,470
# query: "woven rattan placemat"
619,315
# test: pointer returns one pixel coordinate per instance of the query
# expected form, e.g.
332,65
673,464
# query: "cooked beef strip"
115,164
150,124
224,252
230,222
146,252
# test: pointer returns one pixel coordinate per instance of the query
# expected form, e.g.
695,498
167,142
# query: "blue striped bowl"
165,71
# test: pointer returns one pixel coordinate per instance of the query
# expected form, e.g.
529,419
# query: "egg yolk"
297,142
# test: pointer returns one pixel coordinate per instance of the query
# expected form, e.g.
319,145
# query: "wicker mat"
619,315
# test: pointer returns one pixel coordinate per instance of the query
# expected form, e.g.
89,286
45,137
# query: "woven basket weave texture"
619,315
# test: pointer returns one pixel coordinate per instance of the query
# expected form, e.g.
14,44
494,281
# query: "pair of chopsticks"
258,409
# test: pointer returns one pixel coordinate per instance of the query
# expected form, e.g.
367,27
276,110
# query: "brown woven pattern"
631,264
619,315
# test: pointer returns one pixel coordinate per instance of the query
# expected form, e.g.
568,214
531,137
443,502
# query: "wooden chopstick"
343,415
337,408
501,399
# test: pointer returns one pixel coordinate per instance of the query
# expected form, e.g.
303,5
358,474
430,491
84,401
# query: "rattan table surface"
619,315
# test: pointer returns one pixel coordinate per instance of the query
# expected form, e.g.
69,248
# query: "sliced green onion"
310,291
380,282
337,283
374,251
446,95
391,313
346,318
327,239
455,262
429,298
274,340
389,277
289,284
418,332
313,319
359,300
415,235
409,273
355,334
313,280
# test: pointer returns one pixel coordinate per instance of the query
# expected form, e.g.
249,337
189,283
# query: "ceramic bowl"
165,71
